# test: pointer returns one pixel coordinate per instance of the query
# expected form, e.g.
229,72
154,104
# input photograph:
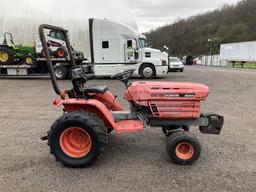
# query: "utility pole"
210,50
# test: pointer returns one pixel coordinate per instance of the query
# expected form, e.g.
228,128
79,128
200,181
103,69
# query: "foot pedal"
44,138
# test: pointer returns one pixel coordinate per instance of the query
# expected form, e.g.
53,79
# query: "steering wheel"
124,75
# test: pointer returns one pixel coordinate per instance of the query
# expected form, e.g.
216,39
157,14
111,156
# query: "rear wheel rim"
3,56
75,142
61,53
184,151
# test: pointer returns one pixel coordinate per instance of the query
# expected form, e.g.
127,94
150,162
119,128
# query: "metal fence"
213,60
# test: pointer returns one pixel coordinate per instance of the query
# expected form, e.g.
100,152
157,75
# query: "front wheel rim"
184,151
147,72
75,142
59,73
29,60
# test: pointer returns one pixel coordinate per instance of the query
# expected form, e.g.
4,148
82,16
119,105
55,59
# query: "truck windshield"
143,43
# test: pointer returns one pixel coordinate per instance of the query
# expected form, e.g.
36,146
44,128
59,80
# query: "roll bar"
47,54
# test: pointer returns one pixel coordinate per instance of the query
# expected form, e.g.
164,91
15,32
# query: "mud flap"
215,124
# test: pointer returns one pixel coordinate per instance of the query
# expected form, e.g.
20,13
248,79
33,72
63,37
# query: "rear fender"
94,106
109,100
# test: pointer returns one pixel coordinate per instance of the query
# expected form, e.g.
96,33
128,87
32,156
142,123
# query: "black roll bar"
47,54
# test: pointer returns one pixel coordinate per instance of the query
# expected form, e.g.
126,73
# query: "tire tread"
88,118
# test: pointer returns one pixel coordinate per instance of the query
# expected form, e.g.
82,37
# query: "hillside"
190,36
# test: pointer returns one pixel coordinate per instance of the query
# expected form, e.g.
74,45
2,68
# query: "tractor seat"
96,89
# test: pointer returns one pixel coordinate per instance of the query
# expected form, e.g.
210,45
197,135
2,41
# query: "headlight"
164,62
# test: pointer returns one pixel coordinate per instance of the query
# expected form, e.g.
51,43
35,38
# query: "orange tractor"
79,136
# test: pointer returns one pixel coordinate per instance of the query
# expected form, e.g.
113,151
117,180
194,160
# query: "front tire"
147,71
29,60
183,148
77,138
61,72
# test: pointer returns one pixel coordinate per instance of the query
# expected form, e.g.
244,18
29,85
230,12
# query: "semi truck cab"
116,47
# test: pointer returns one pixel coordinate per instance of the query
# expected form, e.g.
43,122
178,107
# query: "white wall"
213,60
22,17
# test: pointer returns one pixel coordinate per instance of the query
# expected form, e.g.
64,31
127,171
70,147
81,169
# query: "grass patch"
246,65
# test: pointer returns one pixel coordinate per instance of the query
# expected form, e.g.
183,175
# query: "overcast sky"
151,14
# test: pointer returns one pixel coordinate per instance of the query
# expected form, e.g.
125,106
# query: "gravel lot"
132,162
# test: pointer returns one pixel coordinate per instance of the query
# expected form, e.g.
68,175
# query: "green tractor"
14,54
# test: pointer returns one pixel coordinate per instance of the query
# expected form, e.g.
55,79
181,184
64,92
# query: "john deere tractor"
14,54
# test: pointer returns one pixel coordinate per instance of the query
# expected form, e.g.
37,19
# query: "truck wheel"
147,71
181,70
183,148
77,138
6,56
61,52
60,72
29,60
168,130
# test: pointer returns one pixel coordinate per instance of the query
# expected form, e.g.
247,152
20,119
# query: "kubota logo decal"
187,95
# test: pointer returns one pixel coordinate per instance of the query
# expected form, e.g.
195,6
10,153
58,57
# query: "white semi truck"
116,47
241,52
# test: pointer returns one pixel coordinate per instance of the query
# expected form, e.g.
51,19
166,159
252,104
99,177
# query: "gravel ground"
132,162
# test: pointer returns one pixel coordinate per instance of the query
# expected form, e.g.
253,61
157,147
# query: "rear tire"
61,52
183,148
61,72
6,55
70,151
147,71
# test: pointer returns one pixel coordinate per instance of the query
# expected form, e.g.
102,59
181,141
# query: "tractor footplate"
129,126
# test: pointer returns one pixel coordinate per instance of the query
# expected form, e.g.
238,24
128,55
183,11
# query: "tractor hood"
168,100
143,92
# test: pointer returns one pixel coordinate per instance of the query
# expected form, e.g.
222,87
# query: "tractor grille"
175,109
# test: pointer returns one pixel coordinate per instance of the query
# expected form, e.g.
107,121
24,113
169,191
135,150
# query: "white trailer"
116,47
238,52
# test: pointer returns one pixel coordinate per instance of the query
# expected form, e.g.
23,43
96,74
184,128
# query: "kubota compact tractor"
90,113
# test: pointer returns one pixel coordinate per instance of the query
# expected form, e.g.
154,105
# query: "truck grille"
148,54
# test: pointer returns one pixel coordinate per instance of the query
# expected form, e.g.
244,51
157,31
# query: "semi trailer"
242,52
